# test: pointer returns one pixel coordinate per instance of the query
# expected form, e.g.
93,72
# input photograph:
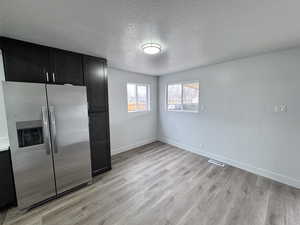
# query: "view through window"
183,96
138,97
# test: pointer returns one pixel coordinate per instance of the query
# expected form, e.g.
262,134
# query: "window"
138,97
183,97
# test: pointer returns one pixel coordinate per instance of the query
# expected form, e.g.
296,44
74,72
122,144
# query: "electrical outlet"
201,146
283,108
280,108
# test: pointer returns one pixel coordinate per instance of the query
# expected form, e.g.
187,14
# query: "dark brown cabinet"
98,126
66,67
99,137
96,81
97,93
25,61
7,188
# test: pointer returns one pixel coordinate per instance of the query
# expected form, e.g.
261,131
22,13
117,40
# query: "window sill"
147,111
183,111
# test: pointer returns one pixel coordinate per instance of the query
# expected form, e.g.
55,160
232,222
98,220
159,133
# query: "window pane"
142,98
190,96
131,97
174,97
138,97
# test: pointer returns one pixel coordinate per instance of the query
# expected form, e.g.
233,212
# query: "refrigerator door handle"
46,129
53,77
47,77
53,128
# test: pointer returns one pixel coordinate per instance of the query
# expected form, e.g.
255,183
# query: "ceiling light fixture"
151,48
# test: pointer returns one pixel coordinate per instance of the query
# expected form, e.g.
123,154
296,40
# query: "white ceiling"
192,32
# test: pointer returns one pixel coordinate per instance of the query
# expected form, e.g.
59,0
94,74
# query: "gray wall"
3,125
239,123
129,130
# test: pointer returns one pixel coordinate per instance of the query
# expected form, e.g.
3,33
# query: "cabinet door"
99,141
25,62
7,187
96,82
67,67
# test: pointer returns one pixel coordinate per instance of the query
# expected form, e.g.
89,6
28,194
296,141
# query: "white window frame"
148,86
182,83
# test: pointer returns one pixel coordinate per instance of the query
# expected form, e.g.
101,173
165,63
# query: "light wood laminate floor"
158,184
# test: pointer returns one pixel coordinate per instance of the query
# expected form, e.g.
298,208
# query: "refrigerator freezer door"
70,135
28,129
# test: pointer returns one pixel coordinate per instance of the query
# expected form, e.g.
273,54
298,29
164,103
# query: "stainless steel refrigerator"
49,139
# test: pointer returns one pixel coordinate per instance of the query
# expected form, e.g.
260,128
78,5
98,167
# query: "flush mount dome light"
151,48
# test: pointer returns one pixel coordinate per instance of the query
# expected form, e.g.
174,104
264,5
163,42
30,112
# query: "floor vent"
212,161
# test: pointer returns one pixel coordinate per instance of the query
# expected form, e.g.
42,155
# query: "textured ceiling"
192,32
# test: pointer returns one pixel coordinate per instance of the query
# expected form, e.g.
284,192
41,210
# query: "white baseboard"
259,171
117,150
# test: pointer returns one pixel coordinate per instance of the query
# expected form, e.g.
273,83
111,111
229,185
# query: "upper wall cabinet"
96,81
26,62
66,67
